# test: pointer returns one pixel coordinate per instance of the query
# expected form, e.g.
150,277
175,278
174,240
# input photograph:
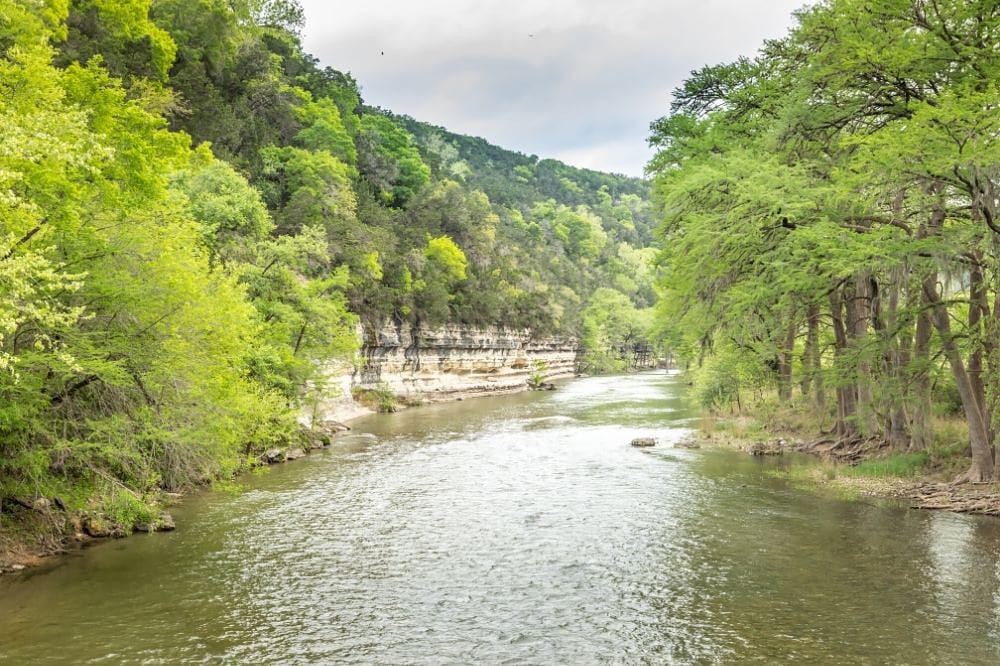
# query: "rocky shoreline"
920,492
58,531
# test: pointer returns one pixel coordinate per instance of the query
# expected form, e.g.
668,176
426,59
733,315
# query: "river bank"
860,468
399,366
455,365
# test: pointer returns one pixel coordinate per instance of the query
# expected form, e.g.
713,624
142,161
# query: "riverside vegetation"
831,243
196,214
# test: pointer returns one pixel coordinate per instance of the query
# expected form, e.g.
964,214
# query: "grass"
897,465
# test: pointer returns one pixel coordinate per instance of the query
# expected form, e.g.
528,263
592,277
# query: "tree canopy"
829,218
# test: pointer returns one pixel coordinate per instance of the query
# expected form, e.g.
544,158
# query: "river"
522,529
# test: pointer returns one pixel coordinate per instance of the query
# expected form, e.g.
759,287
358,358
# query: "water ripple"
519,530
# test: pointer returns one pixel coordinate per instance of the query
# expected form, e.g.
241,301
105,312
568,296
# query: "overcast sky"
579,81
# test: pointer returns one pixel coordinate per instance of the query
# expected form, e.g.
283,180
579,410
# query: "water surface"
522,529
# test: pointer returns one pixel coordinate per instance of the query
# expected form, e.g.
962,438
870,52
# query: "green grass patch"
898,465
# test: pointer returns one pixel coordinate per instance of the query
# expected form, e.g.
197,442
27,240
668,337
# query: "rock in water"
295,454
644,442
163,523
331,427
166,523
274,456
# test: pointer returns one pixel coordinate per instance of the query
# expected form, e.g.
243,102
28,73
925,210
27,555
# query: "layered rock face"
451,362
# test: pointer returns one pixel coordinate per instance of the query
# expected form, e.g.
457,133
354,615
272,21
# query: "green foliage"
390,160
446,258
135,303
719,381
324,130
122,508
611,326
231,214
829,211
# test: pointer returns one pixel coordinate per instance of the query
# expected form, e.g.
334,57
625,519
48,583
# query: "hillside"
511,178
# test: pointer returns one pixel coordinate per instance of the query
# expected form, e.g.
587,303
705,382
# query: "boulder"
314,439
97,527
166,523
330,426
162,523
272,456
295,454
644,442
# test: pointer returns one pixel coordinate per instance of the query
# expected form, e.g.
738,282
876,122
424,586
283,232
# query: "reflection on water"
523,529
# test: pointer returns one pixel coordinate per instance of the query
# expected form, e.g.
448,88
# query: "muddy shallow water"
522,529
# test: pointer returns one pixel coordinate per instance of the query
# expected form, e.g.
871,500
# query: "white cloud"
575,80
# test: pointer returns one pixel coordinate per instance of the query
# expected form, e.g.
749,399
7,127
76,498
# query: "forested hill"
195,216
511,178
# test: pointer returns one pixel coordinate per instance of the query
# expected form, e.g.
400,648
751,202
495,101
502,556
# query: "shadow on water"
522,529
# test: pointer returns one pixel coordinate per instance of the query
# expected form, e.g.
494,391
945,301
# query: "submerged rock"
689,443
643,442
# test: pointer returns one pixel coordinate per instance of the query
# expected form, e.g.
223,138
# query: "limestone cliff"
448,363
453,361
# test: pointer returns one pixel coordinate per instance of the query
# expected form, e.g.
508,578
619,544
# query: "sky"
577,81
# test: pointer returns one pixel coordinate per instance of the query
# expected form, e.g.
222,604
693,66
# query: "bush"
381,398
538,373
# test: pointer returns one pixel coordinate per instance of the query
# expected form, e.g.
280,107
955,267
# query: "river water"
522,529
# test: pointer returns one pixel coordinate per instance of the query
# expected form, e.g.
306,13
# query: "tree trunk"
785,362
845,426
894,349
921,410
979,440
815,360
858,307
978,310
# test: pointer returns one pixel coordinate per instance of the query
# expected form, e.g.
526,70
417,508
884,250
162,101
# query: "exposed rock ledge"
448,363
